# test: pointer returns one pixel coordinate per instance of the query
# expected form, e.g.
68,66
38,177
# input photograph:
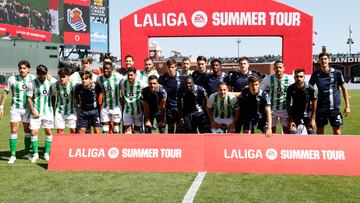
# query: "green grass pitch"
27,182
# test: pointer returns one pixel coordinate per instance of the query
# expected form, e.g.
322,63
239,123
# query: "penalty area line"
190,194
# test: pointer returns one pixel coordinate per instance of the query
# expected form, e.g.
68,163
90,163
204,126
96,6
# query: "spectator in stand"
47,21
3,15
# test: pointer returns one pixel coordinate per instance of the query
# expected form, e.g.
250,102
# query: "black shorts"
89,118
172,115
334,117
194,121
250,124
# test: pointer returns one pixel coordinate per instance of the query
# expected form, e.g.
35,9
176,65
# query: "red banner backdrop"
337,155
25,33
214,18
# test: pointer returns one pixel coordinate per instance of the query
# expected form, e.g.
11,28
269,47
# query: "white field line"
189,197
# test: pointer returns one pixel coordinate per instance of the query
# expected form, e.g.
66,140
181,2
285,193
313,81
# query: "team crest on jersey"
44,91
109,88
75,19
66,95
24,86
131,94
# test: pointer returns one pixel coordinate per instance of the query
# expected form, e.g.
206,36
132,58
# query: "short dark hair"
214,61
222,83
188,78
170,62
86,73
85,61
278,61
185,59
324,54
41,69
201,58
63,72
244,58
129,56
253,78
148,59
108,63
24,62
152,77
131,69
299,70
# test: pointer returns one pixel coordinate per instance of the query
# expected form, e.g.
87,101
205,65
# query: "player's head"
149,64
216,65
244,64
299,75
41,72
189,83
279,68
64,74
86,78
222,90
254,84
201,63
129,61
23,67
107,69
153,83
86,64
107,59
324,59
171,65
131,75
186,64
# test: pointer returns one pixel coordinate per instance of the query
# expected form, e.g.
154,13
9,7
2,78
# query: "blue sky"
331,22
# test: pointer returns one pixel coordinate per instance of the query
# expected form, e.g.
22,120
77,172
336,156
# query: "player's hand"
268,132
35,114
148,124
231,128
292,125
312,124
1,113
347,111
182,121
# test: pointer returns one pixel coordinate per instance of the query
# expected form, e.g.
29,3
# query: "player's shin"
13,143
116,128
105,129
35,144
48,142
27,142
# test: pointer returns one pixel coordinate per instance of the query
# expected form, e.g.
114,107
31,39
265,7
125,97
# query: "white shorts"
61,120
226,121
17,115
107,115
129,119
280,115
43,122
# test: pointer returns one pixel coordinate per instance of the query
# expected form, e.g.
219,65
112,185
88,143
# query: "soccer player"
191,103
171,82
111,108
88,96
256,108
185,68
301,104
223,110
39,102
200,75
276,85
328,80
63,100
19,111
148,70
214,78
129,63
130,89
154,100
85,66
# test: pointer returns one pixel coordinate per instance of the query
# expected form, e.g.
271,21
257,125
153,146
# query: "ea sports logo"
199,19
113,153
271,154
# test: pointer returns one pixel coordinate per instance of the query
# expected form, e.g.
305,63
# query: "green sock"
35,143
13,143
27,143
48,142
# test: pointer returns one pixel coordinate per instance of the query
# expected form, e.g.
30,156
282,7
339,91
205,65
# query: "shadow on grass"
5,155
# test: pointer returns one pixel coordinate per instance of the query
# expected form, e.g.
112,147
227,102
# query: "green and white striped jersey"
223,108
18,86
111,90
41,95
276,89
144,76
76,78
132,96
65,98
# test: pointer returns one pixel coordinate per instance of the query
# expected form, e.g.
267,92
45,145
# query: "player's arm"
236,118
313,105
33,110
162,112
289,109
2,102
346,99
147,113
268,131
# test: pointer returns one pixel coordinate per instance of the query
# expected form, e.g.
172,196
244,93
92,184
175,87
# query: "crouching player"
154,100
257,108
39,101
111,108
88,96
301,105
223,110
63,99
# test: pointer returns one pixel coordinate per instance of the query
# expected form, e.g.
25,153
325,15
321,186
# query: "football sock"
27,142
48,142
35,143
13,143
105,129
116,129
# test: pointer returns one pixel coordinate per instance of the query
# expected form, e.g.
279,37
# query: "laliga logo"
113,153
199,19
75,19
271,154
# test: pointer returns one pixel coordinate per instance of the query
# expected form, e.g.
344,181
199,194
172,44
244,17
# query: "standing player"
87,96
276,85
223,110
171,83
39,102
148,70
154,100
256,111
301,104
214,78
191,103
63,98
201,74
19,111
129,63
85,66
130,89
328,80
111,107
185,68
